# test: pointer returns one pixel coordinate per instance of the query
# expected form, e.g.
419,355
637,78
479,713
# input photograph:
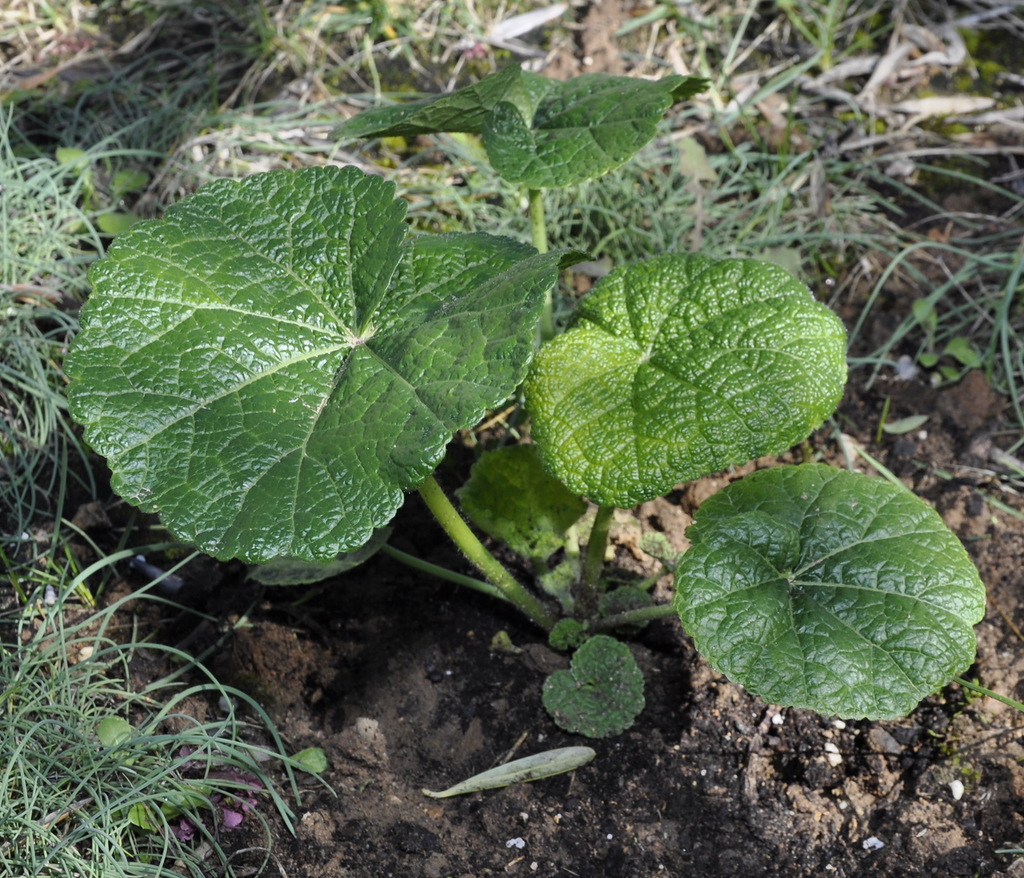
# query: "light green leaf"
73,158
581,128
312,759
963,351
601,694
511,497
113,731
115,222
829,590
679,367
905,425
273,364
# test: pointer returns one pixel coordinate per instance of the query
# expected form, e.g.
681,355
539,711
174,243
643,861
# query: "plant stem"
443,572
538,225
974,687
589,592
449,518
632,617
539,235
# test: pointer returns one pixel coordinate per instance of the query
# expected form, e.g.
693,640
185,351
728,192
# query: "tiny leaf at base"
601,694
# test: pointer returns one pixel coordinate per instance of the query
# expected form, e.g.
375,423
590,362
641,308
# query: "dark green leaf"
581,128
271,365
462,110
829,590
602,693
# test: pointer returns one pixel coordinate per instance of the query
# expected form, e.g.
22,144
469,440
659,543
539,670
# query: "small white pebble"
872,844
832,755
956,787
838,724
86,652
515,843
609,836
534,866
524,816
49,595
778,719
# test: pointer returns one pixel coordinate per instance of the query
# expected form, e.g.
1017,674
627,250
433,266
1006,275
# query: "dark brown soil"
396,678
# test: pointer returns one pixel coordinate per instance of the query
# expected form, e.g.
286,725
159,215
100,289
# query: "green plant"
273,364
102,780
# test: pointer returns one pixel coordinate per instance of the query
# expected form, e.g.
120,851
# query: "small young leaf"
312,759
622,600
115,222
141,815
601,694
905,425
272,364
962,350
824,589
129,180
511,497
581,128
678,367
73,158
538,131
567,634
113,730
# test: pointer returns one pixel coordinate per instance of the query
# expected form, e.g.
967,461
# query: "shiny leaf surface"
829,590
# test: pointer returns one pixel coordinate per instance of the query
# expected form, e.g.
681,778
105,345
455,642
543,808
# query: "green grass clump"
97,779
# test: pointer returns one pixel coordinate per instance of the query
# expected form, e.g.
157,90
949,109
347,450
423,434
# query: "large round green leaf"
829,590
679,367
271,365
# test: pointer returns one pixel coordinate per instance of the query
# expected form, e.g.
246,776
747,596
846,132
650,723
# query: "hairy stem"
632,617
460,533
443,572
589,592
539,235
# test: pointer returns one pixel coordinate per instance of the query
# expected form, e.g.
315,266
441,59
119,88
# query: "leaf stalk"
443,572
640,616
468,543
539,236
589,591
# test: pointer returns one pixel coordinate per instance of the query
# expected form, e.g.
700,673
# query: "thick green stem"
444,573
477,553
539,235
538,225
589,592
632,617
